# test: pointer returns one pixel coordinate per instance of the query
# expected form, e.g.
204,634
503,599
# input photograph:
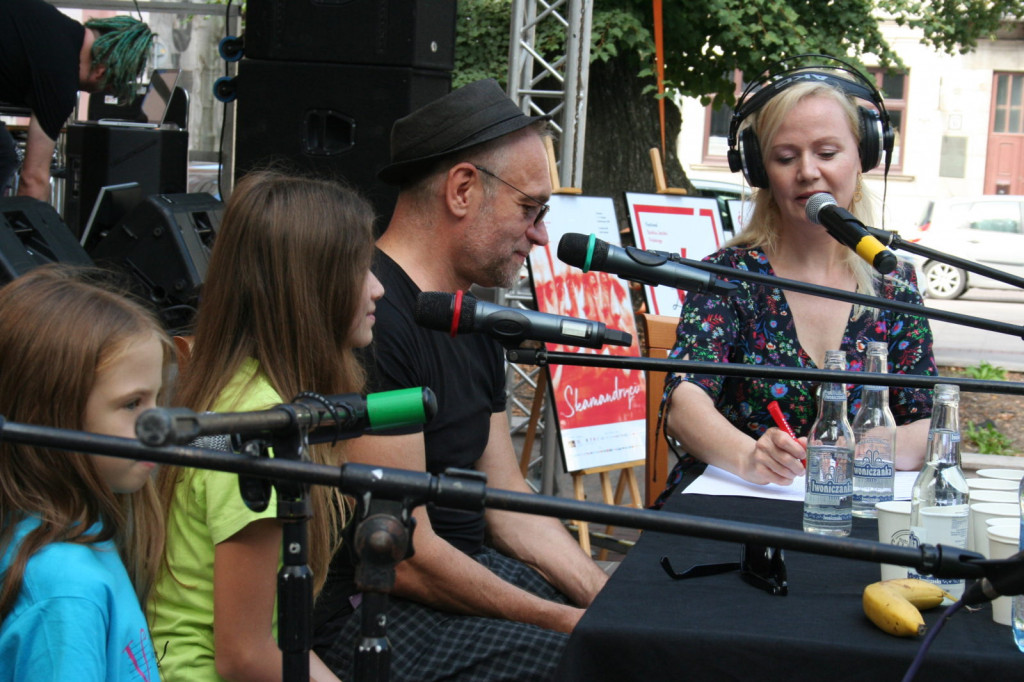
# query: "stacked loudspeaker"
322,83
32,234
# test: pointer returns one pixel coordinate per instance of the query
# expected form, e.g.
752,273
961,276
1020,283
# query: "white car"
728,194
985,229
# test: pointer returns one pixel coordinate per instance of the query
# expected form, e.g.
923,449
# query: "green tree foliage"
953,26
705,42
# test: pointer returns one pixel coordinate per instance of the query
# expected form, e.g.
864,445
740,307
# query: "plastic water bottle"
939,501
828,498
874,430
1017,616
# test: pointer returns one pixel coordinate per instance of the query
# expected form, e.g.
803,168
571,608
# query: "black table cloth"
646,626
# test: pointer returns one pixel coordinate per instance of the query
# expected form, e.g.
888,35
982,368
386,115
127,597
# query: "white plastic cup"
992,484
1010,474
981,512
1002,521
1007,496
1005,542
894,529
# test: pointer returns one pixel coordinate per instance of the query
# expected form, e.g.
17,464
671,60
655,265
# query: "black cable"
224,112
915,665
329,407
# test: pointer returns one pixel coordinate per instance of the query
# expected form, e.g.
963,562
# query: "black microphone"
844,227
1003,578
646,267
347,415
511,326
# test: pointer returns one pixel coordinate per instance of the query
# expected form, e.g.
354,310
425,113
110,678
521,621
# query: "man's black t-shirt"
466,373
39,60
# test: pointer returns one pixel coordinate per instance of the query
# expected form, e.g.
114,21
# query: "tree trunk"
622,127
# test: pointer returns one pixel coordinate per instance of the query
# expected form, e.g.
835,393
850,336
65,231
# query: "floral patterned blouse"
755,327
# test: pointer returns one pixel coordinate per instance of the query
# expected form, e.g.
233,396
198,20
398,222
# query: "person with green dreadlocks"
46,58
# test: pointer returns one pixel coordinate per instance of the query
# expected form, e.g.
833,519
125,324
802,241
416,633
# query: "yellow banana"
890,610
921,593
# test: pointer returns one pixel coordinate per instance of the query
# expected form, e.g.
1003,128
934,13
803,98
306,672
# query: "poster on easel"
601,411
740,211
677,224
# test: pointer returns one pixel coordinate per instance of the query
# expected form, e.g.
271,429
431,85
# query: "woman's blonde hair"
762,227
59,327
283,287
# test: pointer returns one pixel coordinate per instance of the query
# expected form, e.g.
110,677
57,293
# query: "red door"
1004,164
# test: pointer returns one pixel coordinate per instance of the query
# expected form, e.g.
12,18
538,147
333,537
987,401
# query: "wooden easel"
627,477
556,183
660,185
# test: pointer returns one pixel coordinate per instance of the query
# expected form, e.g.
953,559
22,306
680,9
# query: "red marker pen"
780,419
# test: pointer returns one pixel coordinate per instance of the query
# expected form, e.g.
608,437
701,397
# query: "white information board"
688,226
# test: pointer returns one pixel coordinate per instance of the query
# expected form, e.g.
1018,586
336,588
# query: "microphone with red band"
510,326
844,227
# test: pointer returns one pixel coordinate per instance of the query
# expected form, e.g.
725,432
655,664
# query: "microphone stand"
852,297
383,532
294,580
894,241
543,357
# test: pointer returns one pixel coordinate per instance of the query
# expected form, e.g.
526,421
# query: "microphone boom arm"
894,241
851,297
542,357
465,490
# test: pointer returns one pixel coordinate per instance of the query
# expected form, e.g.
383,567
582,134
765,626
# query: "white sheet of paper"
715,481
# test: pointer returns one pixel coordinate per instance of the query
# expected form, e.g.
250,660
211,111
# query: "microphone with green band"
324,418
637,265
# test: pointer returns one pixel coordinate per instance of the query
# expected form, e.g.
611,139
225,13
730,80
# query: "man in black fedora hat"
473,176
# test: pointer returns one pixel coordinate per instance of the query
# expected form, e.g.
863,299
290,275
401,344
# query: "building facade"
959,122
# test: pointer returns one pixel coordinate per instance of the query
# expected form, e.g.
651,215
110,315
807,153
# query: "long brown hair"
283,287
59,327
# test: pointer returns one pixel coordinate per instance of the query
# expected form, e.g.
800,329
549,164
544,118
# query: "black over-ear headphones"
876,133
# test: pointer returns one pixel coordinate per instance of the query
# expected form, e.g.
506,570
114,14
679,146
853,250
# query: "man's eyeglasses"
544,208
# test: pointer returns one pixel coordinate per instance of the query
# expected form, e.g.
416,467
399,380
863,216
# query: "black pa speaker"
415,33
103,155
32,234
328,119
164,246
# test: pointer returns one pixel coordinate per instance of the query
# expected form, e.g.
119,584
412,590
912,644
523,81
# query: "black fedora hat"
473,114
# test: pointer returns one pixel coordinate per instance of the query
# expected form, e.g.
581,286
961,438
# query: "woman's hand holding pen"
778,454
777,458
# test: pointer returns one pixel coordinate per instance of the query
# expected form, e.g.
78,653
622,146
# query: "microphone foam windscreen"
434,310
572,250
816,203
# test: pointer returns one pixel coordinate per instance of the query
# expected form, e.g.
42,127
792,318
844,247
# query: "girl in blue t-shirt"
80,536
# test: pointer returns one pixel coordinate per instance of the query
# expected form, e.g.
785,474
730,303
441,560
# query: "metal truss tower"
555,86
564,78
